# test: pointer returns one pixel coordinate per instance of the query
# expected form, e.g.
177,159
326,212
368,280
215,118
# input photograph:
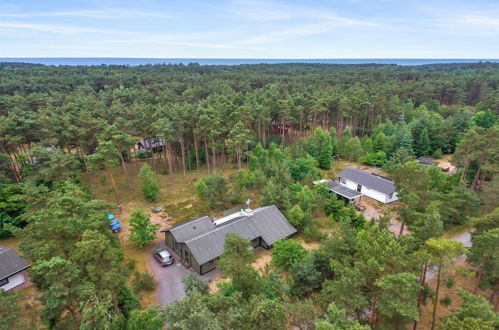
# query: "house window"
209,263
4,281
176,246
255,240
343,181
186,256
359,188
390,196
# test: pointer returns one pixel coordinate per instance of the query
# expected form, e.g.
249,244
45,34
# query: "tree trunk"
282,141
373,312
435,301
402,223
206,154
196,150
115,189
214,155
422,281
182,150
479,276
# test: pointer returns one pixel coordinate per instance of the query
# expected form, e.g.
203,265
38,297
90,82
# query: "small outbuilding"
369,184
151,145
12,268
199,242
427,161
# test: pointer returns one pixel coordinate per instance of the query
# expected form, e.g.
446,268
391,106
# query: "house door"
359,188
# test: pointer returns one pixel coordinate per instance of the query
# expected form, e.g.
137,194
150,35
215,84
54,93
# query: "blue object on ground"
110,216
116,227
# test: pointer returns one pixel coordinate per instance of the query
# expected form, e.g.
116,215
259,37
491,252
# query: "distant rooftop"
369,180
427,161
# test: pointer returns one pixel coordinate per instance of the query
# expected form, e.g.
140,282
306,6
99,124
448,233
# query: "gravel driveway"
169,279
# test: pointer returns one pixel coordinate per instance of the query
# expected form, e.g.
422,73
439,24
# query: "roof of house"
265,222
10,262
427,161
191,228
372,181
152,143
337,188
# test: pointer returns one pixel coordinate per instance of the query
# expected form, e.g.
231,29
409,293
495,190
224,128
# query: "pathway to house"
169,279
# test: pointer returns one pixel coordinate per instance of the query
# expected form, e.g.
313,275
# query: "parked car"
163,257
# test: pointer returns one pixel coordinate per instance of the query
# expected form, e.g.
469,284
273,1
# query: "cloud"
97,13
60,29
466,19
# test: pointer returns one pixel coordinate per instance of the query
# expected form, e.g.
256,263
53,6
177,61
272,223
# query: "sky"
299,29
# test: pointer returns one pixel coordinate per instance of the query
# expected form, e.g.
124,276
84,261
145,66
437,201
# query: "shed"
11,269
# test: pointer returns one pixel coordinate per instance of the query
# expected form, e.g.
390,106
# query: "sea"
88,61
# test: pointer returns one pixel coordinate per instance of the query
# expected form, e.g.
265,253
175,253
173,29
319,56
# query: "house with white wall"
372,185
12,268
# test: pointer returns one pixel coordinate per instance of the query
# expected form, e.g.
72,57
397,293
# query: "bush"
130,264
143,281
150,190
192,283
313,233
142,230
374,158
306,277
297,217
446,301
150,186
437,154
143,154
286,252
213,189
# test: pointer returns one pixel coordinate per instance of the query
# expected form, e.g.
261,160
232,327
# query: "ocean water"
226,61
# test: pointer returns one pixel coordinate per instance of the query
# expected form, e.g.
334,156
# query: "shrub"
297,217
374,158
213,189
143,281
192,283
286,252
150,186
313,233
446,301
142,230
437,154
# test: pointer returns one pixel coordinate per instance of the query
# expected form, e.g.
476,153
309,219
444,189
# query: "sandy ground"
375,209
445,164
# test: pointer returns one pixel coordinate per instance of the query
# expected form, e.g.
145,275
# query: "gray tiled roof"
369,180
427,161
265,222
189,229
10,262
342,190
272,224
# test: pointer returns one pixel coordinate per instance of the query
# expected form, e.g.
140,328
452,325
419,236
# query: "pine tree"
142,230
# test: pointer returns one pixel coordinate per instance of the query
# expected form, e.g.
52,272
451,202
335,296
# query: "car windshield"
164,254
